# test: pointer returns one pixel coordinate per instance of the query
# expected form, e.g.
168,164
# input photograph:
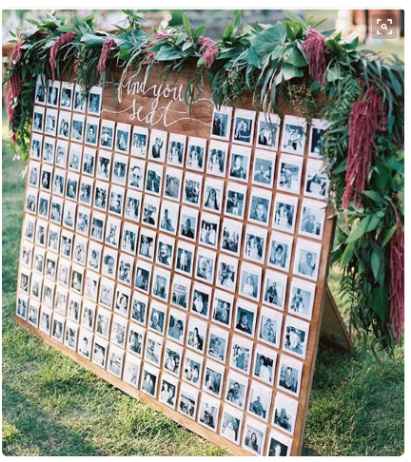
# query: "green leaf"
168,53
358,230
334,73
379,302
253,59
373,195
270,38
187,25
377,259
294,57
389,233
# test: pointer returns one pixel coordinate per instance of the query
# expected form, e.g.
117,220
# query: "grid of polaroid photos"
186,267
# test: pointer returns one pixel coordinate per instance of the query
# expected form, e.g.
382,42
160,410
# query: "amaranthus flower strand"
108,46
208,49
65,38
316,53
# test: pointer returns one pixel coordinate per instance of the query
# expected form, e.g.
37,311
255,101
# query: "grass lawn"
53,407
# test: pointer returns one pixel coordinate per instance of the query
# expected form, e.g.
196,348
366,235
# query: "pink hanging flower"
315,51
396,255
65,38
16,54
108,45
162,35
208,49
14,86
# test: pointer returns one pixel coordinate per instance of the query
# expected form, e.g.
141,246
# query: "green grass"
53,407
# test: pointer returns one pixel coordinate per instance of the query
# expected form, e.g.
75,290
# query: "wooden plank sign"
180,252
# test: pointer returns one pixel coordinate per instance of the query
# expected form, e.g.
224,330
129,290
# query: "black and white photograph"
118,331
264,364
180,291
255,243
172,184
307,259
116,200
147,244
243,131
196,154
100,352
64,125
122,300
125,268
80,249
176,325
270,326
129,238
236,389
295,336
149,380
136,174
209,227
279,445
235,200
217,344
169,217
57,331
103,165
161,284
221,123
36,146
77,128
289,377
40,91
192,188
254,435
165,251
139,142
188,223
201,299
231,424
79,100
91,133
154,347
285,211
213,194
142,276
213,378
139,304
132,368
115,361
88,316
294,135
85,343
94,256
48,149
259,400
316,180
110,258
205,266
158,145
66,96
260,206
135,339
173,358
106,296
66,248
50,126
45,316
312,218
227,268
250,281
285,413
38,119
301,298
184,258
192,369
196,335
74,159
122,143
289,175
56,211
188,400
112,236
132,206
264,166
46,176
268,130
208,412
176,149
53,93
151,206
279,253
89,161
217,158
241,350
95,97
317,130
239,163
274,289
58,187
107,134
119,173
168,390
245,318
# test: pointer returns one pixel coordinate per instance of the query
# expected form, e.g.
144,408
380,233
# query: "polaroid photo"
260,206
135,339
79,100
74,308
231,237
70,336
123,138
239,163
241,351
158,145
180,292
115,361
106,296
39,258
317,130
176,325
205,266
245,317
50,126
74,158
254,436
26,254
270,323
29,226
307,259
132,205
250,281
213,378
131,372
264,364
136,174
66,95
125,269
72,186
172,184
208,412
295,336
236,389
53,93
36,288
61,300
143,276
255,243
122,300
91,285
275,285
80,250
259,400
53,239
48,149
101,196
165,251
154,347
209,227
196,154
100,352
45,319
285,413
201,299
227,268
316,180
192,188
173,358
77,128
154,177
279,445
222,308
24,281
116,200
264,167
40,91
185,258
168,390
89,161
151,207
36,146
301,298
107,134
188,223
56,211
312,218
33,314
197,331
46,177
83,221
231,424
147,244
169,217
235,200
192,368
139,142
95,100
63,273
279,252
294,135
38,119
285,211
66,248
57,331
118,331
213,194
92,131
41,233
139,308
217,158
289,376
176,149
161,284
217,344
64,125
268,130
103,320
221,123
289,175
243,131
120,167
86,191
129,238
188,401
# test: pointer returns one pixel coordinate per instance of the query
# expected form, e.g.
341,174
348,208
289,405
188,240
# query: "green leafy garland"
265,61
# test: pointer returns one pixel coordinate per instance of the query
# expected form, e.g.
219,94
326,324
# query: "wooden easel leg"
333,331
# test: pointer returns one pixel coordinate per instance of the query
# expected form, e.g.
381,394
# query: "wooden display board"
180,253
